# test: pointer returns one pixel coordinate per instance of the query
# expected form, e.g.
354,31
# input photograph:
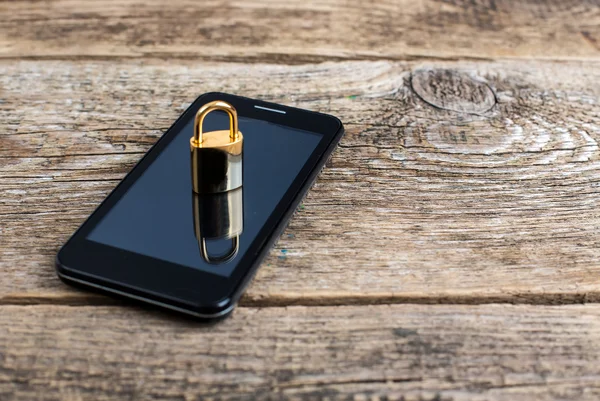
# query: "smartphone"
143,241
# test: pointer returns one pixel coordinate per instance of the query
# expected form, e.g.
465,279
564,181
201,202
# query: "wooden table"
449,251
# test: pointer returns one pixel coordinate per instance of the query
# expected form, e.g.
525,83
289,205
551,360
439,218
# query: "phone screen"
155,216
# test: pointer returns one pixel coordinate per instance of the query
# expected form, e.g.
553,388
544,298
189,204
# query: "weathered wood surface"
398,352
468,174
495,201
284,31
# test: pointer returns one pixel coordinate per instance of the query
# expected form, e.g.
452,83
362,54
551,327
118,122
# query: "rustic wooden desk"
449,251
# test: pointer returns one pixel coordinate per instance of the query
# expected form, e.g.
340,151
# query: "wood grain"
458,203
284,31
468,175
401,352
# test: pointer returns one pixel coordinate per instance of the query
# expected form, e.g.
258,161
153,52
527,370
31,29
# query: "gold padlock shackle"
212,106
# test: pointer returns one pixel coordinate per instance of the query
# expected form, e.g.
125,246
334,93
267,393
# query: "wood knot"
452,90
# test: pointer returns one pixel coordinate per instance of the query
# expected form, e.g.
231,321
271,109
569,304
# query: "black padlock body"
215,170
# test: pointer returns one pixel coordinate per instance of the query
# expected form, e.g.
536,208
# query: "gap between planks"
318,299
284,58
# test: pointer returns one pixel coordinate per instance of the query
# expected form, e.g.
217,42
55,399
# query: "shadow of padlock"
216,217
216,162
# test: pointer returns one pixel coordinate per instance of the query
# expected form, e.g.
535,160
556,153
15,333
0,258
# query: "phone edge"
287,217
164,305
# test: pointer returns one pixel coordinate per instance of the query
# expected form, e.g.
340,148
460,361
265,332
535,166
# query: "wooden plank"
300,31
419,203
398,352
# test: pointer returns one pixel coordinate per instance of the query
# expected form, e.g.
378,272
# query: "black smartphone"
143,241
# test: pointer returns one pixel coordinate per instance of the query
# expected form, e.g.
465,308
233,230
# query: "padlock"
216,155
218,216
216,160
